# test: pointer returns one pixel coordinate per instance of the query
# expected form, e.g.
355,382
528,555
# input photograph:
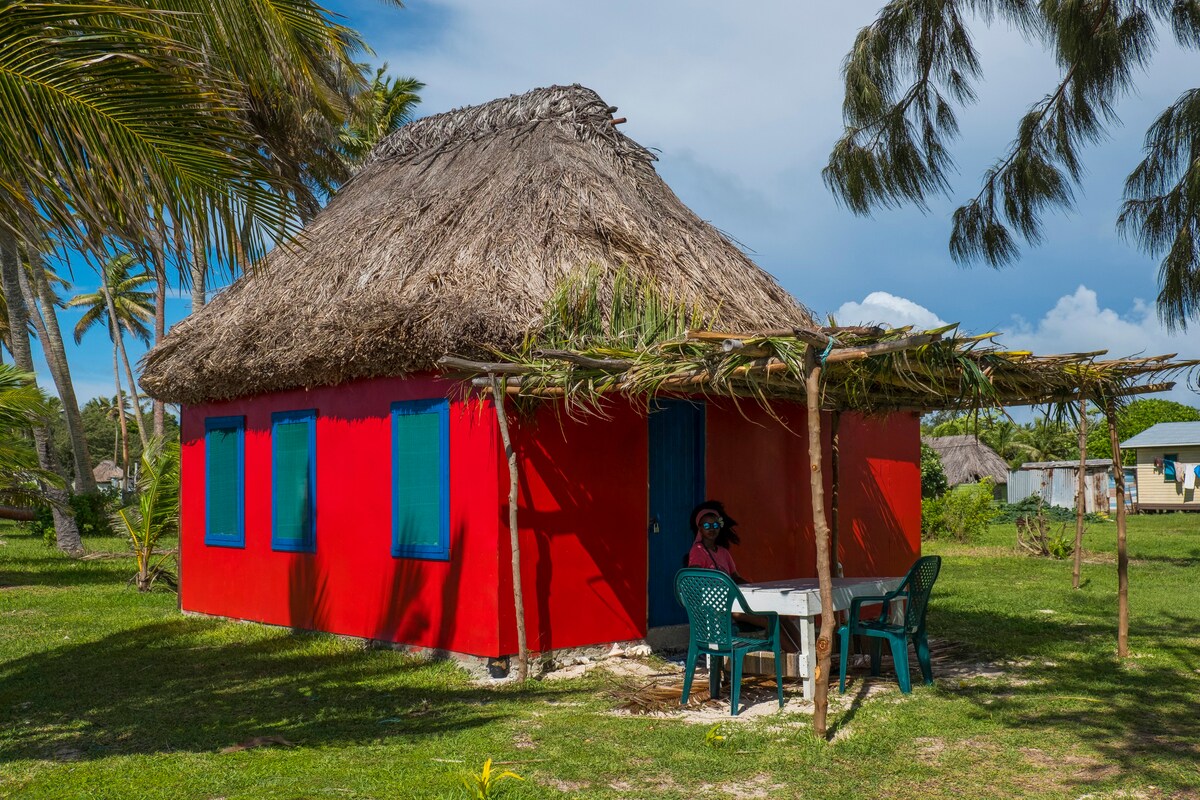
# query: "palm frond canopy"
451,239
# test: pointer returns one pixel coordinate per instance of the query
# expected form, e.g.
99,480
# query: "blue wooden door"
676,486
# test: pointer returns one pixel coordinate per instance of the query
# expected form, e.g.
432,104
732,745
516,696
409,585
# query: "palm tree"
21,405
111,128
294,80
23,481
123,307
38,284
65,530
1047,440
385,105
292,73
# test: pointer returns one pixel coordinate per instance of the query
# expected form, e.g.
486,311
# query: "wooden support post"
824,648
1110,411
1081,497
498,395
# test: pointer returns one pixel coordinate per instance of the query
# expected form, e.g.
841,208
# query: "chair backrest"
708,596
919,583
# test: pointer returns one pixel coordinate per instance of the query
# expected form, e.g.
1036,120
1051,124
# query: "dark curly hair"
728,535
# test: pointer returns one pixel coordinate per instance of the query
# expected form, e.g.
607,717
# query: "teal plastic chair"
914,591
708,596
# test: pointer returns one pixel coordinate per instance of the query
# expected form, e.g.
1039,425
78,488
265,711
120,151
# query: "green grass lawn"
107,693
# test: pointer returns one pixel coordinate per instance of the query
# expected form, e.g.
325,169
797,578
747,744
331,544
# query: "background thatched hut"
333,479
107,472
965,459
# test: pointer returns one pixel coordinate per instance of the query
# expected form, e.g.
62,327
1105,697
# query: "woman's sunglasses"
713,526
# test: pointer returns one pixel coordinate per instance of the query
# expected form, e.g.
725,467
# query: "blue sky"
742,103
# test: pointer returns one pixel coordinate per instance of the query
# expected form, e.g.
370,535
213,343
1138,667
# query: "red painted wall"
880,508
352,585
582,514
759,468
582,511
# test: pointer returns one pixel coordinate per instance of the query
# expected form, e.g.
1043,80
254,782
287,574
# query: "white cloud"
882,308
1077,323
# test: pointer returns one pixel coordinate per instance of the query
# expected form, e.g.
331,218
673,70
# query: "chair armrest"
857,603
772,618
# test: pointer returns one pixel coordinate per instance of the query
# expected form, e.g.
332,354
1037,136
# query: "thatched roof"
451,239
965,459
107,471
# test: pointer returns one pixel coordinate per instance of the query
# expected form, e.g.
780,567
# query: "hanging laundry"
1158,465
1189,476
1169,470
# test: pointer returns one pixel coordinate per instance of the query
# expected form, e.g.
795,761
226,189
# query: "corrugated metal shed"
1057,481
1102,463
1166,434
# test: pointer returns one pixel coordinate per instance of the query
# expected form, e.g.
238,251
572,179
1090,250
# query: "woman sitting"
714,533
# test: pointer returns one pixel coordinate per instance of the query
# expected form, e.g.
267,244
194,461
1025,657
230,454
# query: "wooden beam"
816,478
729,345
1081,490
1110,412
853,330
498,393
718,336
840,354
607,364
1149,388
482,367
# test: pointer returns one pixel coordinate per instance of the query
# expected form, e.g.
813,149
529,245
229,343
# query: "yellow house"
1168,466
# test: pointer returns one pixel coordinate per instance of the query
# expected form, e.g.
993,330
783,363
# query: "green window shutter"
294,481
421,479
224,481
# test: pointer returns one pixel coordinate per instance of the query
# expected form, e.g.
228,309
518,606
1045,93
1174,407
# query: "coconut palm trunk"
39,300
66,532
160,322
119,343
198,269
122,422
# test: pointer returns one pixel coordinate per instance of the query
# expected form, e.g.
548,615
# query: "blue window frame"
421,479
294,481
225,481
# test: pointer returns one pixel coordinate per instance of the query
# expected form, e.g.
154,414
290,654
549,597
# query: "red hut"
336,479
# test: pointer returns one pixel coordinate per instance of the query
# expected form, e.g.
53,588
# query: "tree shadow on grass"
1139,715
180,685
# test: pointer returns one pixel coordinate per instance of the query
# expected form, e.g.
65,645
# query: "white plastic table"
801,597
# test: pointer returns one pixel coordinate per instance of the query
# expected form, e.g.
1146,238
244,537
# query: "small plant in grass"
484,785
717,735
153,514
1035,537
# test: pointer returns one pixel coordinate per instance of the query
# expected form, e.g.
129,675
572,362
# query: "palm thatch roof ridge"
451,239
965,459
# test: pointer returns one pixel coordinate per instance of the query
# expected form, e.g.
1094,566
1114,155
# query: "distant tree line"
1048,439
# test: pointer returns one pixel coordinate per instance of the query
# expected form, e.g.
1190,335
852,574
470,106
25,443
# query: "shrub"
92,515
1031,507
933,477
962,514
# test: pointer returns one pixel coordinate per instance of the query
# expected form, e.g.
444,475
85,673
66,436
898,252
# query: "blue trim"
440,551
238,425
309,543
